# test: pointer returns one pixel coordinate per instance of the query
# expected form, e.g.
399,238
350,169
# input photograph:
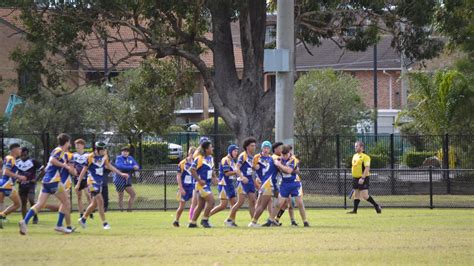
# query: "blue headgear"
231,148
267,144
203,139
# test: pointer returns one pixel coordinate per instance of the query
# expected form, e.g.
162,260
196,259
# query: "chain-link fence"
327,188
333,151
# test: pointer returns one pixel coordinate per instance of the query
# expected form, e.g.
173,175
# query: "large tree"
189,28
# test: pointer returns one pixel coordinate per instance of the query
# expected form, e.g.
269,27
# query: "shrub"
416,158
206,126
155,153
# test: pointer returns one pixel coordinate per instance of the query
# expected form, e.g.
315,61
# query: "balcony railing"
193,103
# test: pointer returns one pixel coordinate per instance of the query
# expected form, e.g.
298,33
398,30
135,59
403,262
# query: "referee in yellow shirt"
360,178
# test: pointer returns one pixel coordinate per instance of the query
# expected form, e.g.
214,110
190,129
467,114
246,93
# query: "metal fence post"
165,185
446,162
431,187
392,164
187,144
140,149
345,188
3,144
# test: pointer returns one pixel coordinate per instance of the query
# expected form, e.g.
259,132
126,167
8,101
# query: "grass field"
398,236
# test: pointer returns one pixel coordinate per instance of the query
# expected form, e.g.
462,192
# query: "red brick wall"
9,42
383,80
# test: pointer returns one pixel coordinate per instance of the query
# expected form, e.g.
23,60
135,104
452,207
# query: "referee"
360,180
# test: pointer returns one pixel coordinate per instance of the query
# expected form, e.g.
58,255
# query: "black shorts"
356,185
28,188
83,184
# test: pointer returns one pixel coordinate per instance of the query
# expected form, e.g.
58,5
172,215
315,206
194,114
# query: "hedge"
155,153
414,159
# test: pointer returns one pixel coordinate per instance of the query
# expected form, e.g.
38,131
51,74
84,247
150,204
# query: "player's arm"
135,166
122,166
285,169
112,168
10,173
197,177
180,183
41,170
81,176
366,162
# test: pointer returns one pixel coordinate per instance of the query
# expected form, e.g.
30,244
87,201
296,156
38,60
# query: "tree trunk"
243,104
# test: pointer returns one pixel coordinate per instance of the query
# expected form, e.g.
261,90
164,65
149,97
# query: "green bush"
206,126
155,153
379,161
416,158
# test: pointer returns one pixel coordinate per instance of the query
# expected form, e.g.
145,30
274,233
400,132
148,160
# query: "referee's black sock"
372,201
356,204
280,214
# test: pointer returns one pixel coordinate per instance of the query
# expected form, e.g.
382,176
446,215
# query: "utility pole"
284,96
375,93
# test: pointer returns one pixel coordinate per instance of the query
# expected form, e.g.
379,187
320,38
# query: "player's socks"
31,212
191,213
372,201
280,213
356,205
60,219
83,219
81,214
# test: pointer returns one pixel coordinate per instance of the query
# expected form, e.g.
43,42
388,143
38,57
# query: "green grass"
398,236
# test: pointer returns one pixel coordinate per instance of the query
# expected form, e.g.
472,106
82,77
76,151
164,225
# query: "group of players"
88,172
268,180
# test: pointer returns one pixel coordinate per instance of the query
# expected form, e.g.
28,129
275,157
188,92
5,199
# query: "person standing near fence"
186,184
79,159
126,164
360,178
28,167
7,182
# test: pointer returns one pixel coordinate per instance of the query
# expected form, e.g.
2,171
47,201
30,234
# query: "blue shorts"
51,188
245,188
95,188
290,189
121,183
187,196
6,192
226,192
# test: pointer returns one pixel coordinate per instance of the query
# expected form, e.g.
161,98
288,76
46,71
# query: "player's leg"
131,196
42,199
291,210
252,200
100,205
120,188
262,204
300,204
2,200
233,211
31,200
80,204
16,203
64,211
364,194
194,202
179,211
356,197
210,202
24,201
200,206
224,200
